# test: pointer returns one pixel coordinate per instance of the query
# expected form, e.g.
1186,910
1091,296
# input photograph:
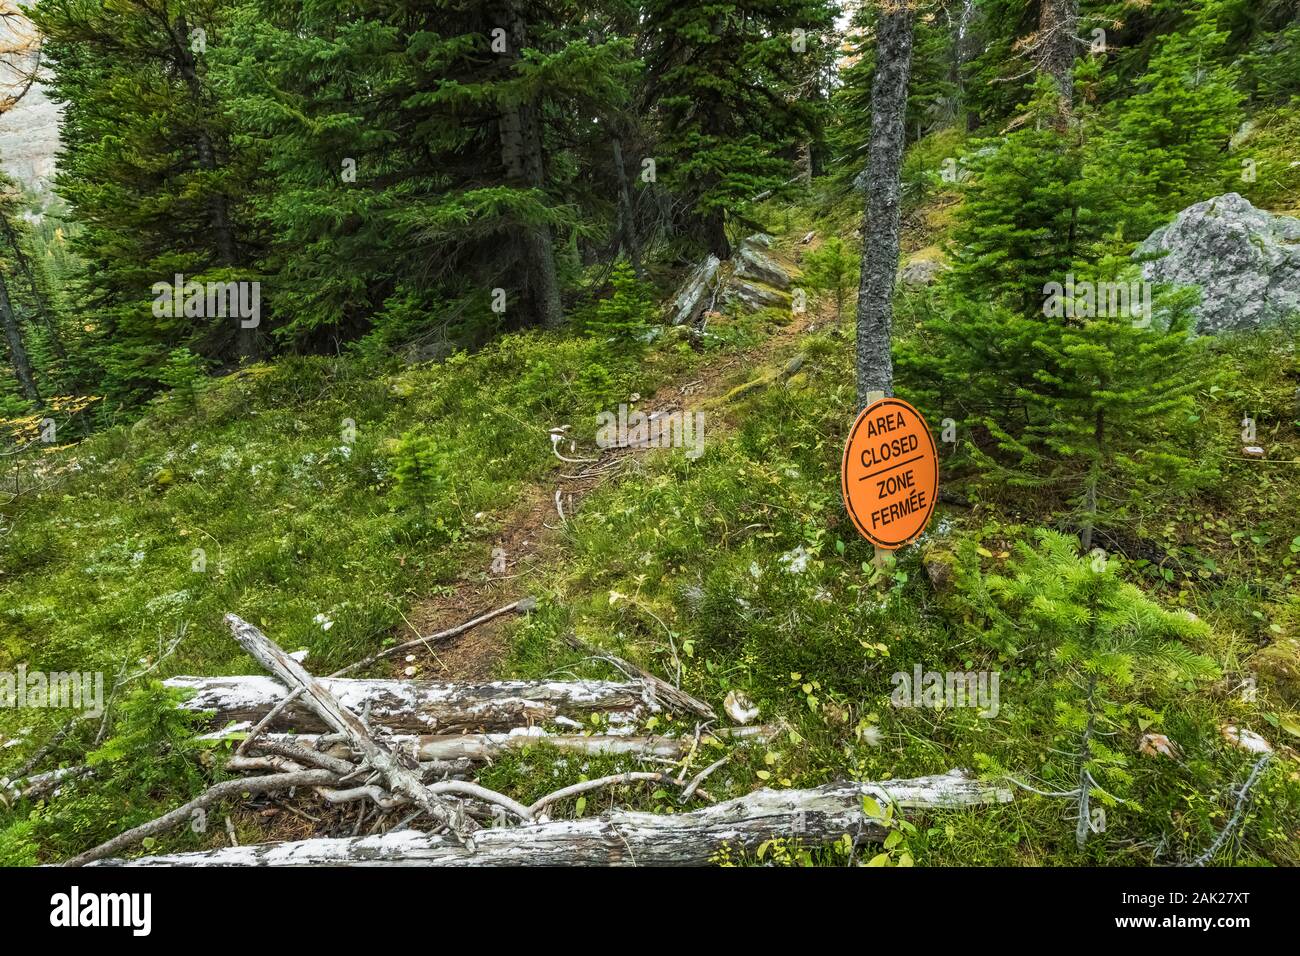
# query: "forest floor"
734,572
532,539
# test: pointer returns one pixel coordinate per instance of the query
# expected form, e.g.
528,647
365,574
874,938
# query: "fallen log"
623,838
676,698
484,747
416,707
39,784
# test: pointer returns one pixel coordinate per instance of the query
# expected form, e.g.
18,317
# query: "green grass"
736,571
693,564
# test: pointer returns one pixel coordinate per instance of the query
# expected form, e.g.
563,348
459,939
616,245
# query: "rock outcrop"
1245,260
920,273
695,293
752,262
753,279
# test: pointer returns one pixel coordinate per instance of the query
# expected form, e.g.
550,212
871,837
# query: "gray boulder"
754,296
920,273
694,293
752,262
1246,262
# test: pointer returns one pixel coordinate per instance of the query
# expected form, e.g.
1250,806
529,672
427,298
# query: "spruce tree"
149,169
1165,146
724,80
1111,413
415,163
1102,636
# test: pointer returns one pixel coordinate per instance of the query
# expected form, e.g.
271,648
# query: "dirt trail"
532,532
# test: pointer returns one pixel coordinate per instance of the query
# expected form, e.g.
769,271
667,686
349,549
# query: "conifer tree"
830,271
1102,635
149,169
724,81
623,315
1166,145
1111,412
414,155
1028,213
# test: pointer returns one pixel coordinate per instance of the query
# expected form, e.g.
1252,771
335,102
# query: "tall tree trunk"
626,220
875,365
17,350
521,155
715,234
12,236
1058,23
218,203
1090,485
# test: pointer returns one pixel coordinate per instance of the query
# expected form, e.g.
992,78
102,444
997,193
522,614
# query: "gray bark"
17,348
627,238
1058,24
625,838
421,707
875,366
519,127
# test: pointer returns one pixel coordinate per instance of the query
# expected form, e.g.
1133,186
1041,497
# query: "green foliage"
1028,213
831,271
182,372
623,316
1164,146
733,96
419,467
1105,641
150,170
146,765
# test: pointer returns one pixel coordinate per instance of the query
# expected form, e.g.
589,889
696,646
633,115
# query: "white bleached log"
422,707
623,838
482,747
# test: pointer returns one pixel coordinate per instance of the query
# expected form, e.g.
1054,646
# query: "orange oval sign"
890,473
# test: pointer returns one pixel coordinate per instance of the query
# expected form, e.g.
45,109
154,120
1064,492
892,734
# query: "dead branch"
400,779
414,707
673,697
184,813
522,606
586,786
